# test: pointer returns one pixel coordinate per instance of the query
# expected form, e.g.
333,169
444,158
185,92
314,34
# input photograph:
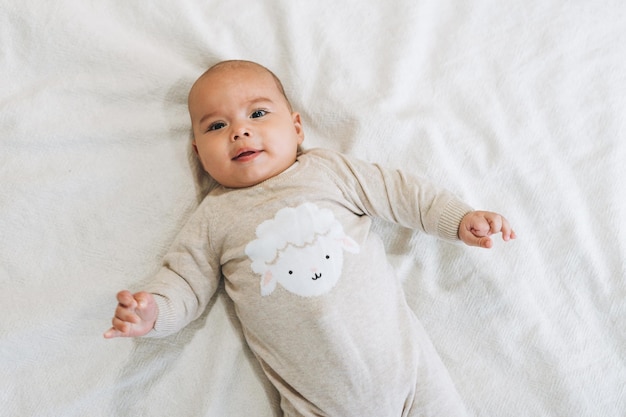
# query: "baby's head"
244,128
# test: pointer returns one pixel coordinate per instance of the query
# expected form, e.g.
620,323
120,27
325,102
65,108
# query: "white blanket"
518,106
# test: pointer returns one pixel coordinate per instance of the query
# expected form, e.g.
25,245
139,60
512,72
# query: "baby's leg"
435,394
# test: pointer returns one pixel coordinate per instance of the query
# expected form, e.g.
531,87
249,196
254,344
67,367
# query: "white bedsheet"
517,106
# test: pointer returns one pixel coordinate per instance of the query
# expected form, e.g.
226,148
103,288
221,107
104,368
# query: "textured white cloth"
518,106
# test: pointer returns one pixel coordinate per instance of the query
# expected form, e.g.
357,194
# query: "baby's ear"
195,147
268,283
297,123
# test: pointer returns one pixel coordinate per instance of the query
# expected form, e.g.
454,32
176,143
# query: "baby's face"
244,132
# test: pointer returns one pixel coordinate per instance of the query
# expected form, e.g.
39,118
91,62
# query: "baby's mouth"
244,155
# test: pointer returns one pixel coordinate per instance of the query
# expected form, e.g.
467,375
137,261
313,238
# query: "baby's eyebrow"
260,100
205,117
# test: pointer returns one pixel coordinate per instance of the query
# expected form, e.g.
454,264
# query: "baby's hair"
238,63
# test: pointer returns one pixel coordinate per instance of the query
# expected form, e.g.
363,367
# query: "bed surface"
518,107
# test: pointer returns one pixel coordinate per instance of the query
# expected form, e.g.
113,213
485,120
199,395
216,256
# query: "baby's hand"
477,226
134,316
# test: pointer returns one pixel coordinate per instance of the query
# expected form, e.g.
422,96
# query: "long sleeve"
399,197
188,278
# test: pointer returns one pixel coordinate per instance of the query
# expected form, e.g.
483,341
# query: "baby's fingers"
480,241
135,315
120,328
124,317
503,226
143,300
127,315
112,332
125,299
507,232
494,222
477,227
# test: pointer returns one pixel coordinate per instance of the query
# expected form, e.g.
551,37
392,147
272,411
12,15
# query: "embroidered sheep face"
302,249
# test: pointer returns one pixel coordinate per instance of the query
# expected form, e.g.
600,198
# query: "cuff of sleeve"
450,220
166,320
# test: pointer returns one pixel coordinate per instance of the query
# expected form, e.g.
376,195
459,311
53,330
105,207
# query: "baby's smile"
246,155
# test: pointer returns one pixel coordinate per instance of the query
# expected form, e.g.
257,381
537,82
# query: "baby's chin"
247,181
248,173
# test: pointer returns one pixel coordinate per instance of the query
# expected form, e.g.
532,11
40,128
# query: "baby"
289,231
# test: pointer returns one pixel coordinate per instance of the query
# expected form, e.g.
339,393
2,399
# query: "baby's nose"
241,135
240,131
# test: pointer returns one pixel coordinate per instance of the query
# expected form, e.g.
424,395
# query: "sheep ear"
268,283
348,244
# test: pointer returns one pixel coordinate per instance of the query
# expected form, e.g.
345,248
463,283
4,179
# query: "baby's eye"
216,126
258,113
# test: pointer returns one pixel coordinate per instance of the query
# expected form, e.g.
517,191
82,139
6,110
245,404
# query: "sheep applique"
302,249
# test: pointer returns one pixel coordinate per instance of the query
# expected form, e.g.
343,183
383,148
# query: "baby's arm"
135,315
477,226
